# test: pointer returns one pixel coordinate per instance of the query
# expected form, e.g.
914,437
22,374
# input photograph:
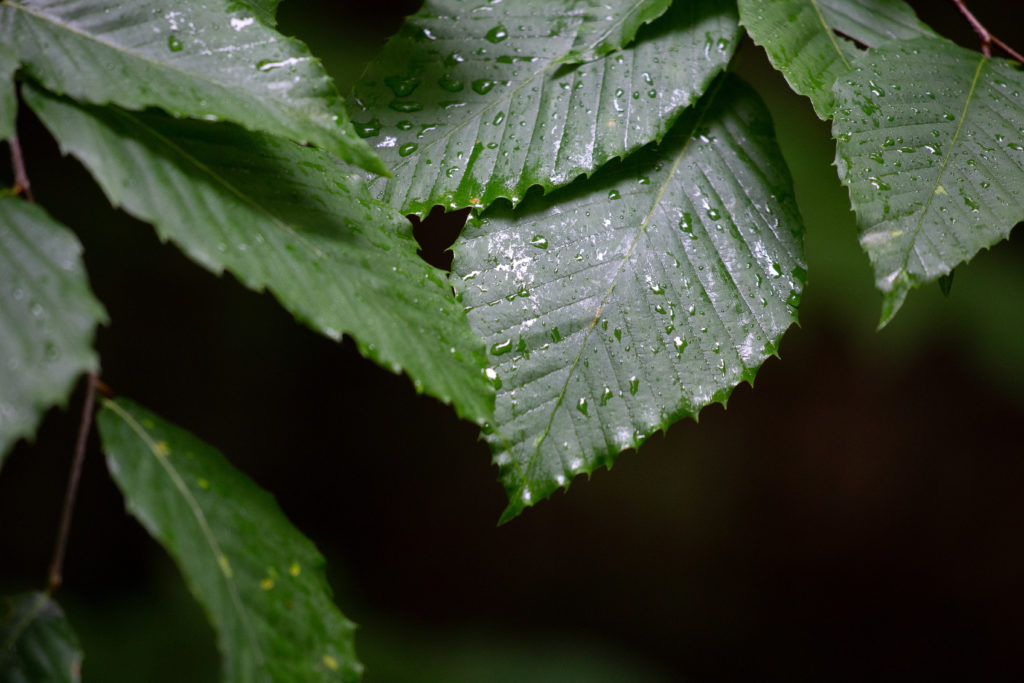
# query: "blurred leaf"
37,644
198,60
47,318
462,126
931,145
628,301
612,26
8,95
289,219
811,41
259,579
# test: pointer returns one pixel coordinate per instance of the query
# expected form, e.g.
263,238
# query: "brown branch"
987,39
60,547
21,183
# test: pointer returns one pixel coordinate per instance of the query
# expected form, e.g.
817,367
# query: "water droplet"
618,334
401,86
620,92
714,214
686,223
499,117
497,34
581,406
539,241
652,93
482,86
450,83
605,395
404,107
501,348
634,385
368,129
407,149
613,194
173,44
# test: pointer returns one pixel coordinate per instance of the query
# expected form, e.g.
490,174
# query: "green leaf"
37,644
288,219
809,40
931,145
47,318
462,125
260,581
8,95
623,303
192,58
612,26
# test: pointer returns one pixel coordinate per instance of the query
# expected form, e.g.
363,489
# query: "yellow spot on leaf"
267,583
203,483
162,448
225,566
940,190
295,569
330,662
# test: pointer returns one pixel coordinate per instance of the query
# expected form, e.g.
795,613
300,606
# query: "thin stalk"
60,547
987,39
21,182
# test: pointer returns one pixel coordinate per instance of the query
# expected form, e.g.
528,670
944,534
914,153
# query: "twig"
21,182
987,39
60,547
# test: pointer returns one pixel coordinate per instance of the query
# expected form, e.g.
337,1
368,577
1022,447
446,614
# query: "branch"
60,547
987,39
21,183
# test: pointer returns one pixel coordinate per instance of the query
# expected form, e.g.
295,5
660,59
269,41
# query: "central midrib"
710,97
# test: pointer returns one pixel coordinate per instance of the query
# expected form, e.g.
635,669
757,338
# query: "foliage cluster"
633,253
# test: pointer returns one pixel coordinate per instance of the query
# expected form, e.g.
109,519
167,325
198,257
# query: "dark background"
858,514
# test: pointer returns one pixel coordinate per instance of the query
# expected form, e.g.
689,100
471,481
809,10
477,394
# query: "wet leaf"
47,318
288,219
466,109
611,25
8,96
259,579
931,145
622,303
812,41
199,59
37,644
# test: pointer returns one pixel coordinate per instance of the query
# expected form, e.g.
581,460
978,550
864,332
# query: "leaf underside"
37,644
260,581
931,145
611,26
620,304
811,41
288,219
8,96
48,317
466,109
200,60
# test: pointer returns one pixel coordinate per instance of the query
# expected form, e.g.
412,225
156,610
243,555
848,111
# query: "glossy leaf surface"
260,581
37,644
469,107
622,303
199,59
47,317
931,145
809,41
612,24
288,219
8,96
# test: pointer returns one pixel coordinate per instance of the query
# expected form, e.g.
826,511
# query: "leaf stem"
987,39
60,547
21,182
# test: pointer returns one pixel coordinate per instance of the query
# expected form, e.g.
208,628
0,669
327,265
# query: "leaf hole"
436,233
